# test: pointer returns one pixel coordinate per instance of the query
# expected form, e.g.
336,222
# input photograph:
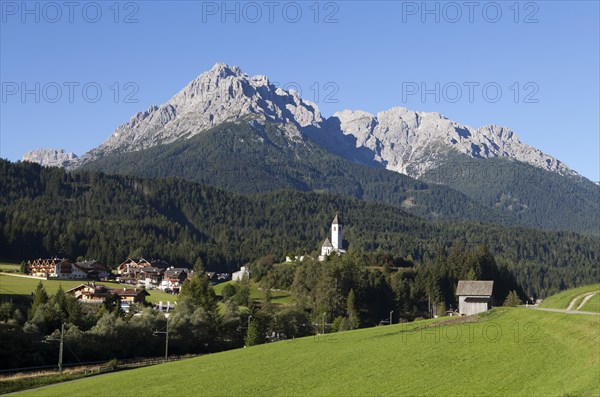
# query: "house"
336,244
90,292
474,296
69,271
132,295
64,269
222,277
93,269
131,271
244,272
53,267
41,267
173,278
176,274
151,276
213,277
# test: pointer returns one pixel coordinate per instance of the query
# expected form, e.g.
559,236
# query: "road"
562,310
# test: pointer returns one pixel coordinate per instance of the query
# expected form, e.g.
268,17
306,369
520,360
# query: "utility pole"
166,332
391,317
167,340
324,314
60,350
61,346
246,325
429,306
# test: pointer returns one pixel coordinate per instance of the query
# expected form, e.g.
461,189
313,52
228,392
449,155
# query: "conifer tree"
353,318
40,296
512,299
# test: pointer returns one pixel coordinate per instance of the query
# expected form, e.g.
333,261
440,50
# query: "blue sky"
71,74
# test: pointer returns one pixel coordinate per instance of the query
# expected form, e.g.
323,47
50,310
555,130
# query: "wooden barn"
474,296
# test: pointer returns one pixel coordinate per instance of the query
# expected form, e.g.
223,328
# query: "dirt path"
584,301
585,297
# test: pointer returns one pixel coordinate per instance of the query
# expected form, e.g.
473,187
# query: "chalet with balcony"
93,293
131,295
173,278
136,271
49,267
90,292
94,269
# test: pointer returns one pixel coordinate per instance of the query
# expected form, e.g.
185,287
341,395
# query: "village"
140,276
103,307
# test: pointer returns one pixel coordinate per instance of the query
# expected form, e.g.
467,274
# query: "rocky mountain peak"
50,157
222,94
224,70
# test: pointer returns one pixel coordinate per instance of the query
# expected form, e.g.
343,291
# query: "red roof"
129,292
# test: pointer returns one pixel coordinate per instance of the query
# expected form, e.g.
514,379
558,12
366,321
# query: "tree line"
49,212
342,293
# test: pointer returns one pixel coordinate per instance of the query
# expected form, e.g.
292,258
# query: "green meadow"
15,285
24,286
503,352
564,298
277,297
593,304
10,267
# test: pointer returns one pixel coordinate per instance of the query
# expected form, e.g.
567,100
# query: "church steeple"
336,244
336,233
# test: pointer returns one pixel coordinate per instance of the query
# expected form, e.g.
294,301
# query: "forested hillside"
47,212
251,158
534,196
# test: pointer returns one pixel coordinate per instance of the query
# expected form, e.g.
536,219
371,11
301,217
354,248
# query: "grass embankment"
564,298
593,304
24,286
9,385
505,352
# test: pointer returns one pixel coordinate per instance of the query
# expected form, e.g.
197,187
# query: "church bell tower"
336,234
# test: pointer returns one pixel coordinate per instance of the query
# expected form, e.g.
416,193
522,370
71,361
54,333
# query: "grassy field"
277,297
562,299
9,267
504,352
593,304
14,285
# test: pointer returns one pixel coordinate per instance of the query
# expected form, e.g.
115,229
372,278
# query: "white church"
336,243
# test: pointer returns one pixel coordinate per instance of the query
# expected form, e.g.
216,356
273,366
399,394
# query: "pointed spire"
335,220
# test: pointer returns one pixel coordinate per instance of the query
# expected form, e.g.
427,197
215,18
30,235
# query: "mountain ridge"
248,157
273,139
288,164
409,142
398,138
